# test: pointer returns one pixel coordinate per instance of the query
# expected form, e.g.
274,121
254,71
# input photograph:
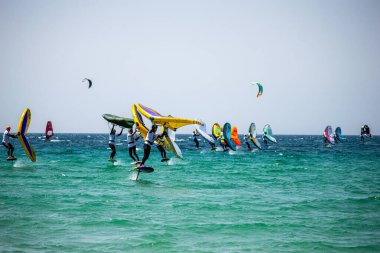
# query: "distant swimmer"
7,144
195,137
111,141
132,144
246,140
149,141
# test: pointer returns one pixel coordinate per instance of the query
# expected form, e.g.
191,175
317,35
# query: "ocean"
299,195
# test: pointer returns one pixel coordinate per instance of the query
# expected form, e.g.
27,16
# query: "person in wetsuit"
365,131
195,137
246,139
131,139
161,149
111,141
265,138
149,141
6,142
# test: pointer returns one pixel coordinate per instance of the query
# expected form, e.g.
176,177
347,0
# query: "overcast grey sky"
317,60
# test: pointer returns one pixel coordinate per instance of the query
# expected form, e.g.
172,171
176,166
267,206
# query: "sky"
317,60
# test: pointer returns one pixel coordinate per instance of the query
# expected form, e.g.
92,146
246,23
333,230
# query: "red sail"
49,130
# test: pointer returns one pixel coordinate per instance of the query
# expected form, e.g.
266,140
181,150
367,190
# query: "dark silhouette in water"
365,131
195,136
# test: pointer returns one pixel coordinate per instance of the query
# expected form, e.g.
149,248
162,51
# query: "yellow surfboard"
23,126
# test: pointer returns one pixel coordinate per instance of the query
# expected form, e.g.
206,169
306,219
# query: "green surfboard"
120,121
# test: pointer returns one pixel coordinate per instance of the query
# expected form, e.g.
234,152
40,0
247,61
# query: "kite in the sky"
260,89
89,82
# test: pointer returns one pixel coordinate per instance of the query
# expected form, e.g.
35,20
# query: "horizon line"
191,134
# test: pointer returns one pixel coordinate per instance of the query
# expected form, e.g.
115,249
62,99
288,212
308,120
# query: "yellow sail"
169,144
166,121
165,141
139,122
23,126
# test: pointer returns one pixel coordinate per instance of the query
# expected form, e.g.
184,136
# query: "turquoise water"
297,196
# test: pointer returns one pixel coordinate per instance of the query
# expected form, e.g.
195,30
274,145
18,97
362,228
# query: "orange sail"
235,136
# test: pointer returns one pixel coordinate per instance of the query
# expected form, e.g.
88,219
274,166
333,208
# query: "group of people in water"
195,136
150,140
131,139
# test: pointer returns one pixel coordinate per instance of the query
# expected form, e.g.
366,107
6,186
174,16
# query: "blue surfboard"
144,169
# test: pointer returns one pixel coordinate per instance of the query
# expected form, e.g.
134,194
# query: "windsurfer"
246,140
195,137
111,141
161,148
365,131
213,146
6,142
265,139
49,130
132,144
149,141
222,142
162,151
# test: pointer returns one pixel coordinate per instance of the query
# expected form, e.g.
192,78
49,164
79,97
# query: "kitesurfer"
132,144
246,139
7,144
111,141
149,141
195,137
